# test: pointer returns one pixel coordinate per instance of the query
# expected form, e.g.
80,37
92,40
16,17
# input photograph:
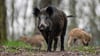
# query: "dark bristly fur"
56,22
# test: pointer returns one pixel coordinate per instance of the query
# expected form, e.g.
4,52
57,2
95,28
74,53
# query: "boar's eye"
39,18
47,18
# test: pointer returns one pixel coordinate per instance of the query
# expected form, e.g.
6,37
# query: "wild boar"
78,34
36,40
52,23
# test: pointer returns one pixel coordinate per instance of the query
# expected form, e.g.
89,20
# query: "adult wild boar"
51,23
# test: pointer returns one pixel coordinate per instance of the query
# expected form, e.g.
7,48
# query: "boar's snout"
41,27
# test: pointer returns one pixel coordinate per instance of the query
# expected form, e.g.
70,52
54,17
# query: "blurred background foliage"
16,18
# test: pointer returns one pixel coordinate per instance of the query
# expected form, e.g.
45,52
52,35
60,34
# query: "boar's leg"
50,39
69,41
63,35
55,43
62,43
45,35
85,43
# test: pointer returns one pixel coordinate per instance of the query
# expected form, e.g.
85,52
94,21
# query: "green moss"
17,44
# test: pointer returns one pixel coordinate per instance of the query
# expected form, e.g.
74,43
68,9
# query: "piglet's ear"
36,11
49,10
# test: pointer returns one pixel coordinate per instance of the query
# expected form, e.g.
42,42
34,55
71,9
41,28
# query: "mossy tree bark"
3,32
72,5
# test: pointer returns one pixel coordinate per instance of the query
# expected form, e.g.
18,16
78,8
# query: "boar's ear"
49,10
36,11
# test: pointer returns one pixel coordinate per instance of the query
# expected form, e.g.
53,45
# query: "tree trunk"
3,35
24,28
72,5
45,3
12,22
94,31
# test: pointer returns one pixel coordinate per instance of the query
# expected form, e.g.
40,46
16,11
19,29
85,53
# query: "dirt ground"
66,53
57,53
29,52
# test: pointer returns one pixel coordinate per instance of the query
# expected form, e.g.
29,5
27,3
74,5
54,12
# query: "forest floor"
25,50
31,52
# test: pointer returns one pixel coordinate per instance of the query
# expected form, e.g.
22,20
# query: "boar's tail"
70,16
